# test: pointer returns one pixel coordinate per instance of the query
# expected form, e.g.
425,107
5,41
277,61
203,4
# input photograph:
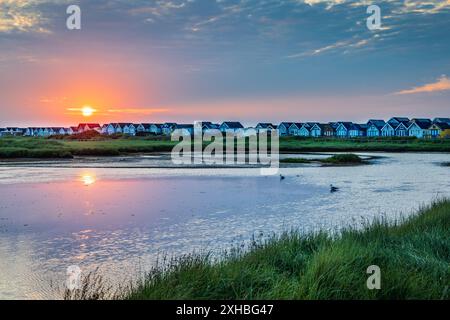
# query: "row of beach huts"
394,127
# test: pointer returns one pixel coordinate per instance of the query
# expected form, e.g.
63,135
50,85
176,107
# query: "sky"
245,60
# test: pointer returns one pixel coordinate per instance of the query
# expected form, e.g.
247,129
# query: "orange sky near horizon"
58,89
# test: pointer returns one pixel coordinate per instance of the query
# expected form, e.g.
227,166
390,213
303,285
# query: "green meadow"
21,147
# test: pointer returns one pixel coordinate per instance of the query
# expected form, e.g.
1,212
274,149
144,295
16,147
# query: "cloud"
15,15
158,8
110,112
147,111
24,15
318,51
442,84
424,7
346,45
400,7
329,3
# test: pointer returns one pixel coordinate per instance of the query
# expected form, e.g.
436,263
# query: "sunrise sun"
87,111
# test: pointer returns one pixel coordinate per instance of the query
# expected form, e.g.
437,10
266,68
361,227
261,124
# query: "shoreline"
134,156
311,151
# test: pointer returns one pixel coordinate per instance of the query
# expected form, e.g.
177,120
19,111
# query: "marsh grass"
23,147
413,254
93,286
296,160
385,144
98,145
347,158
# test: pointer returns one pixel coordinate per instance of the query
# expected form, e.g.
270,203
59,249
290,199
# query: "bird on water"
333,188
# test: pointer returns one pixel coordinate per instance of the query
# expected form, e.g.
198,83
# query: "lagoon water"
120,215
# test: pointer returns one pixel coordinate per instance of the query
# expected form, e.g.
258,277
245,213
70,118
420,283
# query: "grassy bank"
66,147
21,147
413,255
386,144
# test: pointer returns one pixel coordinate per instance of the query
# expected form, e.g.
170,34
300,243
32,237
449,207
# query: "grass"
96,145
296,160
347,158
413,255
386,144
23,147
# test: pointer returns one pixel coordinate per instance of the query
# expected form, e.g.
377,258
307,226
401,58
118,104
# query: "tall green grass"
413,255
23,147
347,158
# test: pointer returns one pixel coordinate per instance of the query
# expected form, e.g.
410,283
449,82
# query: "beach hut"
395,121
295,128
442,120
143,128
402,129
185,129
129,129
315,130
168,127
343,128
374,127
283,128
357,130
265,127
156,128
328,130
438,130
231,126
122,127
14,131
111,128
418,127
304,130
84,127
388,130
209,127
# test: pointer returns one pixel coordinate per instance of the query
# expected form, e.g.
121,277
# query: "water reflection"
136,214
88,179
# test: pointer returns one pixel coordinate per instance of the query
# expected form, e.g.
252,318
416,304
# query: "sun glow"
87,111
88,179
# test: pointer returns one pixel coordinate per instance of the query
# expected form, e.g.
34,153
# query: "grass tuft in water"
347,158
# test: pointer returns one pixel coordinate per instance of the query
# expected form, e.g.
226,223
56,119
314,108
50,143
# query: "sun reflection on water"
88,179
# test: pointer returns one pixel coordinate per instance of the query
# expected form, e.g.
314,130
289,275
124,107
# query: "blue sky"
247,60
